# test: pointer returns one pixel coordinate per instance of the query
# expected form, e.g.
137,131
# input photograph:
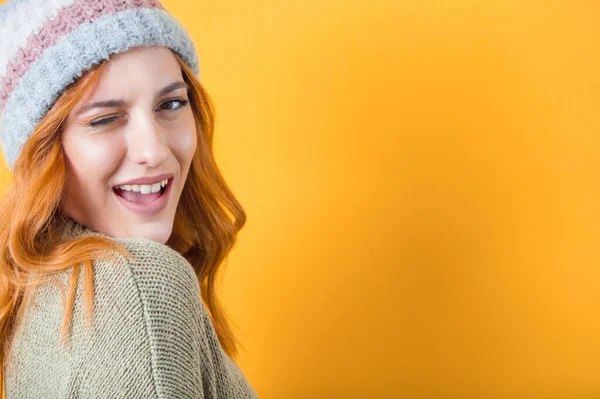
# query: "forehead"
138,71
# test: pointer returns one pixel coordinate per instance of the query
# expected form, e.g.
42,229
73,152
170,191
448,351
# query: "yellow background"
420,182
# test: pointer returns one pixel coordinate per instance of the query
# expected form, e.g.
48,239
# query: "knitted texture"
151,335
47,45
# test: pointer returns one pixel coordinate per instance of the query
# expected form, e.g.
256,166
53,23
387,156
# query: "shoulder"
151,257
148,257
162,276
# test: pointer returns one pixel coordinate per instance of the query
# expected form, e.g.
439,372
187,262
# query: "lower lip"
147,209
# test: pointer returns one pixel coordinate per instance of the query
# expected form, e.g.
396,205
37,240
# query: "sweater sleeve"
153,338
186,357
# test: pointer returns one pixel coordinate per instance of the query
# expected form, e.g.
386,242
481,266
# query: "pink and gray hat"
45,45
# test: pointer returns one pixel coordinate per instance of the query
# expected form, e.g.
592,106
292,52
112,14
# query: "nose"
147,141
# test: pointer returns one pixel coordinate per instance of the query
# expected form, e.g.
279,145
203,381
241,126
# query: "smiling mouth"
142,194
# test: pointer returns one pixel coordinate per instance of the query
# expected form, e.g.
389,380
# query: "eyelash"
106,121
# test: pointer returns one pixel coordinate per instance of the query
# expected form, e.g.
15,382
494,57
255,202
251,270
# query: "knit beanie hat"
45,45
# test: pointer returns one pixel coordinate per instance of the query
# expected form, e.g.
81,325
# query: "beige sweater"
151,338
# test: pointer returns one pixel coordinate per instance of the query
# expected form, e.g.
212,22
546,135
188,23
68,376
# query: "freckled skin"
144,140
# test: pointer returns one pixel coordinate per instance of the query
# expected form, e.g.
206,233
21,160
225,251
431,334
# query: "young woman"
114,228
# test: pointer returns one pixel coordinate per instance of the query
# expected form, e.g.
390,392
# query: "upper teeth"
144,188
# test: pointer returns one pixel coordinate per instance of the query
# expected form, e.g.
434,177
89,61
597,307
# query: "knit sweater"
151,335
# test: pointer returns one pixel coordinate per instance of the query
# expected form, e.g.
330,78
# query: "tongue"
138,197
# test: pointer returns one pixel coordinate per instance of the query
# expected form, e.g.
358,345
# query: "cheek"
184,145
87,157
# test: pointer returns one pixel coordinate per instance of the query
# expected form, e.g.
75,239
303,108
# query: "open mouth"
143,193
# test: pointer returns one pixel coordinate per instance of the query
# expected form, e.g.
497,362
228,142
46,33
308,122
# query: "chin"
159,232
160,238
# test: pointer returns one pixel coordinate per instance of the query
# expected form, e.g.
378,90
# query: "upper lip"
146,180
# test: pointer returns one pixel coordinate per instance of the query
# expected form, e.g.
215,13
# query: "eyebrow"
119,103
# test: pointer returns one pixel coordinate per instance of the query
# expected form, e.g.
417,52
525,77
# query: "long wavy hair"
205,228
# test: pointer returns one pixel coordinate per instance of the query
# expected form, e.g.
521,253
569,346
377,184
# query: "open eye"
173,105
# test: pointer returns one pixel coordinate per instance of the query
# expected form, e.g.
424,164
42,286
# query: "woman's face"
129,143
